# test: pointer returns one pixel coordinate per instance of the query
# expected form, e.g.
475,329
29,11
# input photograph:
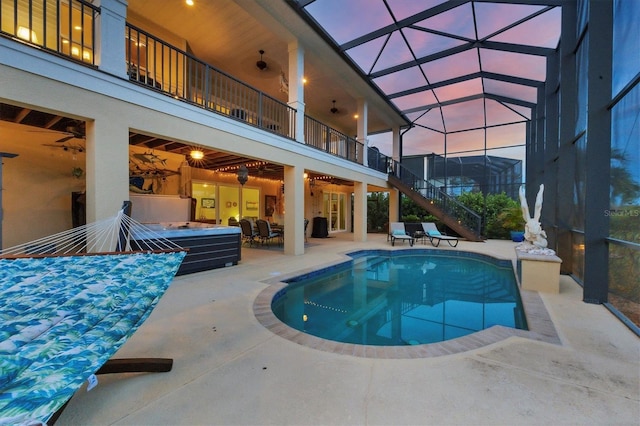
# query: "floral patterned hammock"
63,316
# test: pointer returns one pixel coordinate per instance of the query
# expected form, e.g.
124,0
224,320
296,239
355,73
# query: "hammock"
68,304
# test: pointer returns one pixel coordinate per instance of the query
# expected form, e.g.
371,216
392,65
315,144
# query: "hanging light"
312,184
243,174
196,154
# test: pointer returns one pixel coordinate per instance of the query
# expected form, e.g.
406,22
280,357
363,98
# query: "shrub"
411,218
502,213
377,212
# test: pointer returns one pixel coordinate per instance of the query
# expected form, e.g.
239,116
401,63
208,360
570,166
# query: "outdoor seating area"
419,232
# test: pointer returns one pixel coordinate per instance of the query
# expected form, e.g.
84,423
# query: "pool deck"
582,367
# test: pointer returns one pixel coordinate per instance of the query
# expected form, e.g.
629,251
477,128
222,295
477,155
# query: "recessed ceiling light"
189,2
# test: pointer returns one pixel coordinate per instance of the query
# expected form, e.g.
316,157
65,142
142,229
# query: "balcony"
68,29
65,28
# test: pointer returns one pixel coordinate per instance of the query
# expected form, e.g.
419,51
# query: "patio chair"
249,235
398,232
432,232
265,233
306,224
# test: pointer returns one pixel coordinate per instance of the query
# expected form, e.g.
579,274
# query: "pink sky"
453,28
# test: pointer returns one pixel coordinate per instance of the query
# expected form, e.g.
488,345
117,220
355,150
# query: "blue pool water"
406,297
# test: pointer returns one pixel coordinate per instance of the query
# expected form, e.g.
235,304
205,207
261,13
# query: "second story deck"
74,29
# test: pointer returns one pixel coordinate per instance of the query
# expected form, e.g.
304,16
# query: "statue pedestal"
538,272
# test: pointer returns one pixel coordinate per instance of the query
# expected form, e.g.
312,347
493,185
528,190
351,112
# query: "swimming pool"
400,298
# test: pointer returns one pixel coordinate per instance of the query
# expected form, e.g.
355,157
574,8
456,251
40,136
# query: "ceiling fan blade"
66,138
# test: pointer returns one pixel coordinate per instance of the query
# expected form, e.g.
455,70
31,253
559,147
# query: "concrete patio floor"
231,370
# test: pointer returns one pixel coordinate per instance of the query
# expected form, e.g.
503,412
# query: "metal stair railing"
448,204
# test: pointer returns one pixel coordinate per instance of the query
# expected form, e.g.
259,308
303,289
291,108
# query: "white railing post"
110,52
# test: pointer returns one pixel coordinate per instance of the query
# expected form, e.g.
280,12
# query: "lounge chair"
398,232
435,236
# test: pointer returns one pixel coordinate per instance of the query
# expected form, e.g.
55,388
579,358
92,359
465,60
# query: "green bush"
502,213
411,218
377,212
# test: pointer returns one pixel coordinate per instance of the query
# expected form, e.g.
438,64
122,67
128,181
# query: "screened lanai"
552,83
475,173
465,74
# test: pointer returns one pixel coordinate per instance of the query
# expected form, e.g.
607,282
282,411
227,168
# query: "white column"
294,210
359,211
296,86
107,162
394,195
363,125
395,151
394,203
110,54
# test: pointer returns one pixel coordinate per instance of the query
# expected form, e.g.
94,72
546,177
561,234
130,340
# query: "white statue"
533,232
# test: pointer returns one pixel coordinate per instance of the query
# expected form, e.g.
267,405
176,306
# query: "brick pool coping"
541,328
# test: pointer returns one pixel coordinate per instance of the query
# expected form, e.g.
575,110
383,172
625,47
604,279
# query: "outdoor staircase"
463,221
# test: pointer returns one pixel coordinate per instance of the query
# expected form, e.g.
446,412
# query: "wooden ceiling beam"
21,115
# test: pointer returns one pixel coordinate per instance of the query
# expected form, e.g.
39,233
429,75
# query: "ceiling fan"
75,149
262,168
73,132
261,64
335,111
265,67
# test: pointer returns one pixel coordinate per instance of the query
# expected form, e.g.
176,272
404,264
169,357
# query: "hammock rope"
109,235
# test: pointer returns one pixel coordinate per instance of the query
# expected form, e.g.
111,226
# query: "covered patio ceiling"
50,131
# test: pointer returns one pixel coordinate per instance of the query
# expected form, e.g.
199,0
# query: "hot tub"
210,246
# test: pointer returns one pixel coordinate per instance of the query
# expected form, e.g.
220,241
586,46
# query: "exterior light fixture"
196,154
243,174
